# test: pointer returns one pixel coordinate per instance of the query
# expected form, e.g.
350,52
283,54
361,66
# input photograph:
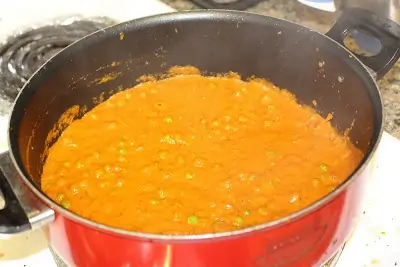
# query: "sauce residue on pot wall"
193,154
63,122
107,78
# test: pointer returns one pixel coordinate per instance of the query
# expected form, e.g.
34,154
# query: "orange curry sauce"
192,154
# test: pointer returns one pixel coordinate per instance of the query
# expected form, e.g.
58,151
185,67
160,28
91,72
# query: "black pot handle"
22,210
386,30
12,217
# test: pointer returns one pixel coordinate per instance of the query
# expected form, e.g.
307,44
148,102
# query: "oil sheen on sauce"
192,154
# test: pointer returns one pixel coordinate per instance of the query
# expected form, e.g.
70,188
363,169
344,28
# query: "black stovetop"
22,54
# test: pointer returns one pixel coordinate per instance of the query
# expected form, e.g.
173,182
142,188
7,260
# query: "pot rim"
176,16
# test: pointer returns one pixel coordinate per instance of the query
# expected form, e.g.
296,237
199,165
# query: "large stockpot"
311,65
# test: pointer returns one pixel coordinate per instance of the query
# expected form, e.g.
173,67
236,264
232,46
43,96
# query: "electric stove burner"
22,55
331,263
227,4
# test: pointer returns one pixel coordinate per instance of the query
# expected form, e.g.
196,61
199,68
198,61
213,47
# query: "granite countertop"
321,21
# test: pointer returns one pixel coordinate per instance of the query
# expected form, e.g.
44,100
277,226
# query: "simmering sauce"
192,154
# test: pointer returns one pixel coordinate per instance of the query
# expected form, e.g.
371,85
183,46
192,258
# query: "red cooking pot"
311,65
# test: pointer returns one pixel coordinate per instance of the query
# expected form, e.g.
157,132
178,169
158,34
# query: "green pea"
168,139
60,197
66,204
323,167
168,119
238,221
192,220
154,202
189,175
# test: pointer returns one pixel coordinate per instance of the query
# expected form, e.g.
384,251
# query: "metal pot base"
331,263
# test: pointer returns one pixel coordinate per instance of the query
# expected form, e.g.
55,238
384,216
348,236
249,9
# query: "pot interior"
308,64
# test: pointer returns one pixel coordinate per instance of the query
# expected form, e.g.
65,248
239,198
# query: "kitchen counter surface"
321,21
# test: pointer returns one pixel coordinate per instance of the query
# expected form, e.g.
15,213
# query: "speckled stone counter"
321,21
